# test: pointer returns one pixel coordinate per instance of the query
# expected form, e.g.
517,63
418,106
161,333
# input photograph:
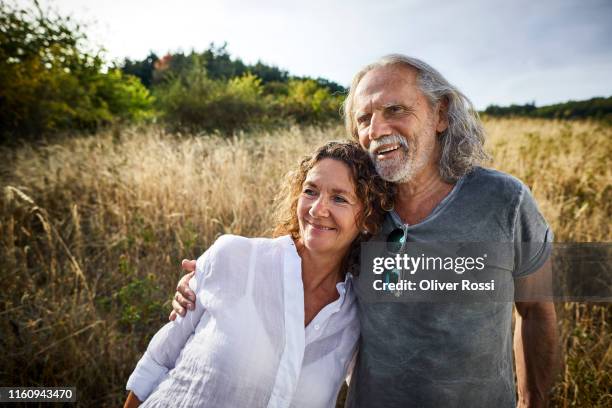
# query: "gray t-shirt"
450,354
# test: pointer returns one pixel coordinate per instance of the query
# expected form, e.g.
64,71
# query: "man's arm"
184,298
535,351
132,401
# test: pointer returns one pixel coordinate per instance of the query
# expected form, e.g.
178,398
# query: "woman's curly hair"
375,194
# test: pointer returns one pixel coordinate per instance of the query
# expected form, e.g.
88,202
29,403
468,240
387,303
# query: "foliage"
49,82
211,91
218,64
306,101
134,300
143,70
194,101
596,108
124,96
190,99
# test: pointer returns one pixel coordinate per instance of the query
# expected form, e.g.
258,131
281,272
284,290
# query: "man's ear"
442,115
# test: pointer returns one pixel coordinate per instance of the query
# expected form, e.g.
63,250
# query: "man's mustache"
387,140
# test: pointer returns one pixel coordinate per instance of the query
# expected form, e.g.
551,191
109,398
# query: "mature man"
423,134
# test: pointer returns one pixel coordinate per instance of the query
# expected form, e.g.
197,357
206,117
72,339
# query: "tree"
50,82
193,101
143,70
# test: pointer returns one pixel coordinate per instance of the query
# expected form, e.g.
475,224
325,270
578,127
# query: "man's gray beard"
398,170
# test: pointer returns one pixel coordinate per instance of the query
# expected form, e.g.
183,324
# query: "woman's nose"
319,208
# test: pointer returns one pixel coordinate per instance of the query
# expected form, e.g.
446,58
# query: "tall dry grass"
93,229
567,166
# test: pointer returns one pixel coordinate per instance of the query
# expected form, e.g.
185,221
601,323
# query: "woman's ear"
366,229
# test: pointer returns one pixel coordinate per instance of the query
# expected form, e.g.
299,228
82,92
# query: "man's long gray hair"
462,143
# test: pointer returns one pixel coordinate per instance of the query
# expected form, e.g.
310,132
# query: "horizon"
522,59
235,58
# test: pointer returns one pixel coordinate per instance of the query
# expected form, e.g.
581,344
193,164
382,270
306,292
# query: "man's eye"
363,120
395,109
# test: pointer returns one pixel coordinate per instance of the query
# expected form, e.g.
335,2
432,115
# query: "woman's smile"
319,227
328,208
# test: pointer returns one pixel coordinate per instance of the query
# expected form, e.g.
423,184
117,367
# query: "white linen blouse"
245,344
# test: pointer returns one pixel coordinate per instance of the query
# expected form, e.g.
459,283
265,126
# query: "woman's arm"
165,347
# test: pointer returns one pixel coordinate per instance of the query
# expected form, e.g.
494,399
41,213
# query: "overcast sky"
498,52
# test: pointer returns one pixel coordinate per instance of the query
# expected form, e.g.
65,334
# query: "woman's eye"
309,191
340,199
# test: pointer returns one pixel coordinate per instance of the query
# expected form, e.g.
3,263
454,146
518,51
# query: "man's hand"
184,298
132,401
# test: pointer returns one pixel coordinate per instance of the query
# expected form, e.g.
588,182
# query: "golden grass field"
92,230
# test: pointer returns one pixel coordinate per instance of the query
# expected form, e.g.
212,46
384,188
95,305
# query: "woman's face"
328,208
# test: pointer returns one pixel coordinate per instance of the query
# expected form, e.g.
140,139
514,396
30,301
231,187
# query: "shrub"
196,102
309,103
49,82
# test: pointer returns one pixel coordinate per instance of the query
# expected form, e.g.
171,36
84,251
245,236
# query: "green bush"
196,102
309,103
49,82
210,91
124,96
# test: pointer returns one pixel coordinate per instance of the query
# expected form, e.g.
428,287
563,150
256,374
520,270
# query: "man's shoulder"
495,182
488,175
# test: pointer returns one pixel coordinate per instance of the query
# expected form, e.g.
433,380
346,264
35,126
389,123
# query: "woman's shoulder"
233,246
230,241
227,264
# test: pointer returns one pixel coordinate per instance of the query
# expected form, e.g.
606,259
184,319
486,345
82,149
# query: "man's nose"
379,126
319,208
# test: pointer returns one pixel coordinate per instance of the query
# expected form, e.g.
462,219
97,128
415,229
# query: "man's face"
396,124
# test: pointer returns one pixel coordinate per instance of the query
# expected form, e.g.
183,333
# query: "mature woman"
275,322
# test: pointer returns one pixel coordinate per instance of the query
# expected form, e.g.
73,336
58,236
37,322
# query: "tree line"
52,81
599,108
211,91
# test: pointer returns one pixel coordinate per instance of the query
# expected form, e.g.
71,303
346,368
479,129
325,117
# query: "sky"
496,52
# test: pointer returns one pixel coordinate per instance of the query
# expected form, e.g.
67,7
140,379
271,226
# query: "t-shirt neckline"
434,213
